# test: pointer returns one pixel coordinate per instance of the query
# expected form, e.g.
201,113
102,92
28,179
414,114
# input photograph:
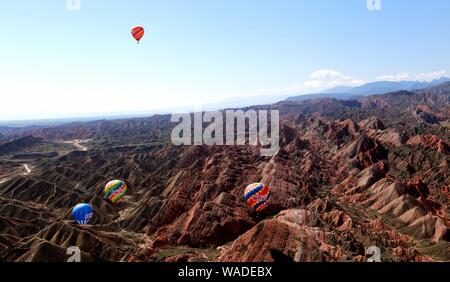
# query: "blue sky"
60,63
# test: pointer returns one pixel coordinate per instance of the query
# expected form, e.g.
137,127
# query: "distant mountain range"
379,87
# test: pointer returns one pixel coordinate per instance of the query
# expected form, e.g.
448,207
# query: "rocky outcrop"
372,123
364,150
17,145
292,232
425,117
431,142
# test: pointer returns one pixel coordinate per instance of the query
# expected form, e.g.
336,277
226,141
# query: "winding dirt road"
77,144
27,169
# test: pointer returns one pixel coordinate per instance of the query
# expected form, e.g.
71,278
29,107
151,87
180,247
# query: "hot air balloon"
82,213
115,190
138,33
257,196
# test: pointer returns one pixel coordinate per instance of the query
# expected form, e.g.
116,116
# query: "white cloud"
432,75
419,76
327,78
395,77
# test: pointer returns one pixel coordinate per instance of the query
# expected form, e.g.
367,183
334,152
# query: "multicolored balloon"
138,32
82,213
257,196
115,190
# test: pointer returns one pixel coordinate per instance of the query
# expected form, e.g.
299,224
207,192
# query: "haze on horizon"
57,63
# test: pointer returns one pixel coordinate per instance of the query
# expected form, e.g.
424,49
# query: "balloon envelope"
115,190
137,32
82,213
257,196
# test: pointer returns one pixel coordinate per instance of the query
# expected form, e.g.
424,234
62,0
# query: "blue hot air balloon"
82,213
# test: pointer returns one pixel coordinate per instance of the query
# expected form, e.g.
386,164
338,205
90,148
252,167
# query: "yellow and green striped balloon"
115,190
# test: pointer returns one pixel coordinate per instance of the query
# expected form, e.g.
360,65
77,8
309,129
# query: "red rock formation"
431,142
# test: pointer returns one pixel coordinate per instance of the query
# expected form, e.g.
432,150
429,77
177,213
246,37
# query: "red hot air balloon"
138,33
